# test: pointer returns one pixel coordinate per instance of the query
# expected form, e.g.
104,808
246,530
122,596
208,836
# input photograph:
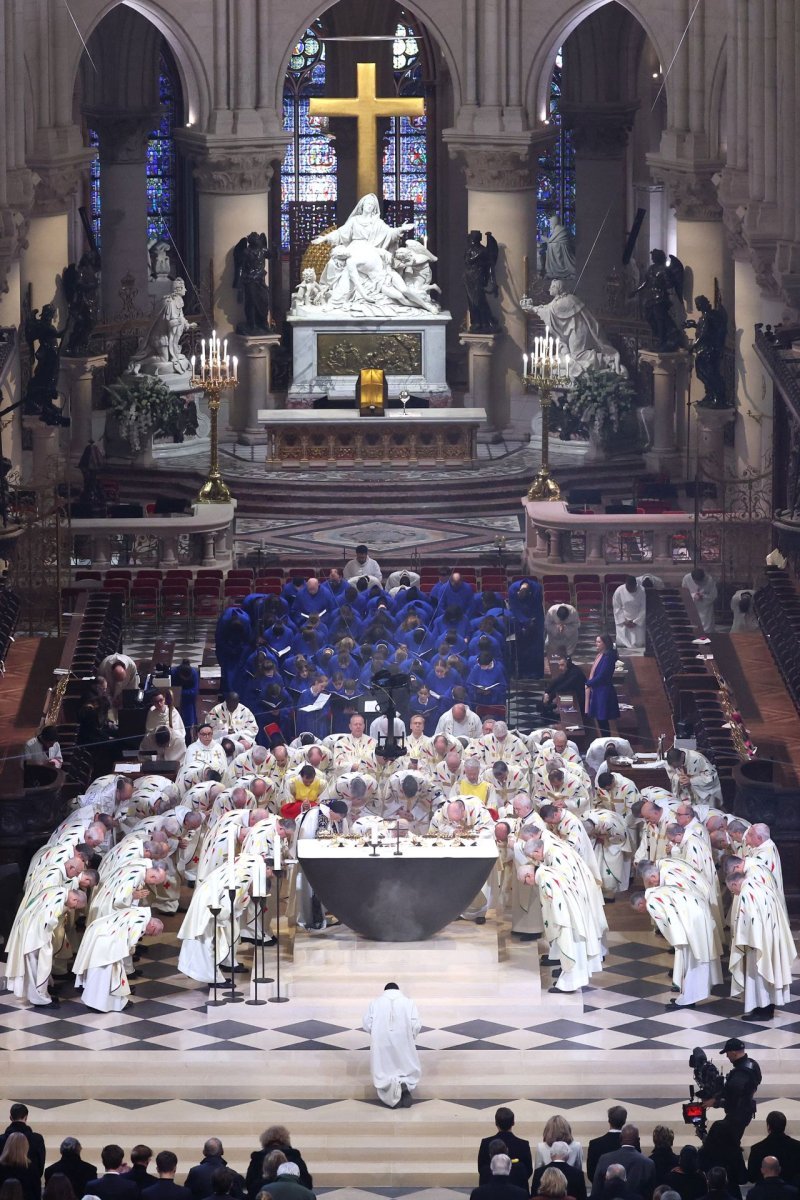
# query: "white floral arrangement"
143,404
598,401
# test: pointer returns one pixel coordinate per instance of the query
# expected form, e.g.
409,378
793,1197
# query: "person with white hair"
682,916
762,947
693,778
355,751
255,761
569,829
556,745
557,780
108,944
499,1186
126,887
759,846
108,793
35,936
654,810
393,1023
501,745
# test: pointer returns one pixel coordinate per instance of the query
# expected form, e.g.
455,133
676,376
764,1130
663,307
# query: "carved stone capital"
762,256
56,182
123,136
692,190
503,169
600,131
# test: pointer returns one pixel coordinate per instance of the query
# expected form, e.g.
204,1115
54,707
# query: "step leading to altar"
330,349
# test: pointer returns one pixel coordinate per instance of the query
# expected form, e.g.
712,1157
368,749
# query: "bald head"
456,811
453,760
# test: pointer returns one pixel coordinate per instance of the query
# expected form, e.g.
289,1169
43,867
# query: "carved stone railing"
204,539
660,543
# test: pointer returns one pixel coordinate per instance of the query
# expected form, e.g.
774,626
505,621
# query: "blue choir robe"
487,685
344,705
319,722
429,712
497,641
233,637
527,611
189,693
305,605
460,597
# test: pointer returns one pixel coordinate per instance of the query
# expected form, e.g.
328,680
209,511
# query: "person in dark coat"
576,1184
15,1163
499,1186
663,1155
640,1171
771,1185
687,1179
276,1137
617,1115
187,678
518,1150
287,1185
113,1184
165,1188
570,681
718,1184
199,1180
602,698
18,1123
778,1144
72,1166
141,1157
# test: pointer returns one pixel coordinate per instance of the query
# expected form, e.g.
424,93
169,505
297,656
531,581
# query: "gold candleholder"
543,486
215,490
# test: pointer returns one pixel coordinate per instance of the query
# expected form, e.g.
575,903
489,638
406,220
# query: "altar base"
330,350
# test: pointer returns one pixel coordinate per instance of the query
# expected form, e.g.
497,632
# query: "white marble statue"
368,273
557,253
570,320
159,351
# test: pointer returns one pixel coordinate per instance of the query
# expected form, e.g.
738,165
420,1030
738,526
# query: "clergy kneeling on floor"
393,1023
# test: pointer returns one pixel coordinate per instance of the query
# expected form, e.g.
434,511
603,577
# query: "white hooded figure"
393,1023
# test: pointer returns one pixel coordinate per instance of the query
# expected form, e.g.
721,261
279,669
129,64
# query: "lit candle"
193,362
524,364
373,834
259,888
276,853
231,853
235,367
225,349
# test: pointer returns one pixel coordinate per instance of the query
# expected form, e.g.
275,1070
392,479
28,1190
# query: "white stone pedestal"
46,451
710,424
669,397
254,389
77,375
330,350
480,349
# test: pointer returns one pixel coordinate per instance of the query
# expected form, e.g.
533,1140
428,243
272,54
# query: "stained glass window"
160,168
309,165
161,175
556,174
405,146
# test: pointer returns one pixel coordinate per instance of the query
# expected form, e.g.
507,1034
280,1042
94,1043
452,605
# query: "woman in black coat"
275,1138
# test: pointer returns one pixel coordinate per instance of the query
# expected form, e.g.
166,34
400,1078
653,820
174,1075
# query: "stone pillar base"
711,423
77,375
254,389
669,397
480,348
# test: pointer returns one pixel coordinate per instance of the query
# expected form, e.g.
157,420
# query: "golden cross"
366,107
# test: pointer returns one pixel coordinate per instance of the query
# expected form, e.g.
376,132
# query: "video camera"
709,1084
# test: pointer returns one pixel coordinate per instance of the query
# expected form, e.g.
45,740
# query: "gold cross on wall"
366,107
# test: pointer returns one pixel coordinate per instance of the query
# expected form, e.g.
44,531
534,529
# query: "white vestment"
37,928
393,1023
762,947
630,606
704,594
562,636
100,962
681,913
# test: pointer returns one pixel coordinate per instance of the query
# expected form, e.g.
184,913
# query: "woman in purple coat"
601,699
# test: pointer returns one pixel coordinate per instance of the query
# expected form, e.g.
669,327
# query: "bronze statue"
479,280
251,257
92,498
42,387
81,288
708,348
662,288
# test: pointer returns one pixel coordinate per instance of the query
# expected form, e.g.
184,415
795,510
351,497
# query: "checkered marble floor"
626,1008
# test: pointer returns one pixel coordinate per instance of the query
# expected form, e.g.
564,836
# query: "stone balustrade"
641,542
202,539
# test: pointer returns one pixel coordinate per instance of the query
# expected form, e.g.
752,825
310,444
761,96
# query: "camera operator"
722,1146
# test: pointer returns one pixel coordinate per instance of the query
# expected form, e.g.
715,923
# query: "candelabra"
218,373
548,373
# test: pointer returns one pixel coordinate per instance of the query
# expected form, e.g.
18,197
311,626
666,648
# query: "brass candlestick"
215,490
544,487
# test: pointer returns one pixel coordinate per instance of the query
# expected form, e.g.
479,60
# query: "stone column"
668,397
753,436
710,424
233,179
123,192
600,134
701,244
46,252
480,350
254,389
501,197
45,455
77,376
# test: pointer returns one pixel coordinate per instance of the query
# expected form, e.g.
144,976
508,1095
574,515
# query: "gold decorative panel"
350,353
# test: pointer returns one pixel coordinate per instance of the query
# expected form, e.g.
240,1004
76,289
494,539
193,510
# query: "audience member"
687,1179
18,1123
771,1186
517,1149
141,1156
663,1155
499,1186
15,1163
165,1187
199,1181
778,1144
617,1116
558,1129
576,1184
552,1186
72,1166
275,1137
640,1172
114,1183
287,1185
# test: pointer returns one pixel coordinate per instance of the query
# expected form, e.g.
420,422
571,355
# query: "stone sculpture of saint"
557,253
570,320
159,351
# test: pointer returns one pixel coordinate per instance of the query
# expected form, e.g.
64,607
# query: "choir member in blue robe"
318,722
233,640
527,610
428,706
313,599
486,682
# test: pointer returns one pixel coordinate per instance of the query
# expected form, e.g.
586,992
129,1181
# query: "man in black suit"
499,1185
772,1186
640,1171
576,1184
199,1180
112,1185
778,1144
166,1188
141,1157
72,1165
617,1116
18,1116
518,1150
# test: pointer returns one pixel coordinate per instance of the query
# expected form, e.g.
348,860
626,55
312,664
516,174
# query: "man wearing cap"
722,1144
287,1185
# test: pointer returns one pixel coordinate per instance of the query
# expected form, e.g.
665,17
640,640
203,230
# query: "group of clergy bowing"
568,830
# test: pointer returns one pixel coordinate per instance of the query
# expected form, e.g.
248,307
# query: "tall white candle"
373,834
235,367
276,853
524,364
231,852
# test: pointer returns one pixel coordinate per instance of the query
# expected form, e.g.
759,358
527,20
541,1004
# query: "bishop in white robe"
35,936
107,946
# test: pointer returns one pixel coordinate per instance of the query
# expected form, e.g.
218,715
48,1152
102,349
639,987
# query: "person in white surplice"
392,1021
630,611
